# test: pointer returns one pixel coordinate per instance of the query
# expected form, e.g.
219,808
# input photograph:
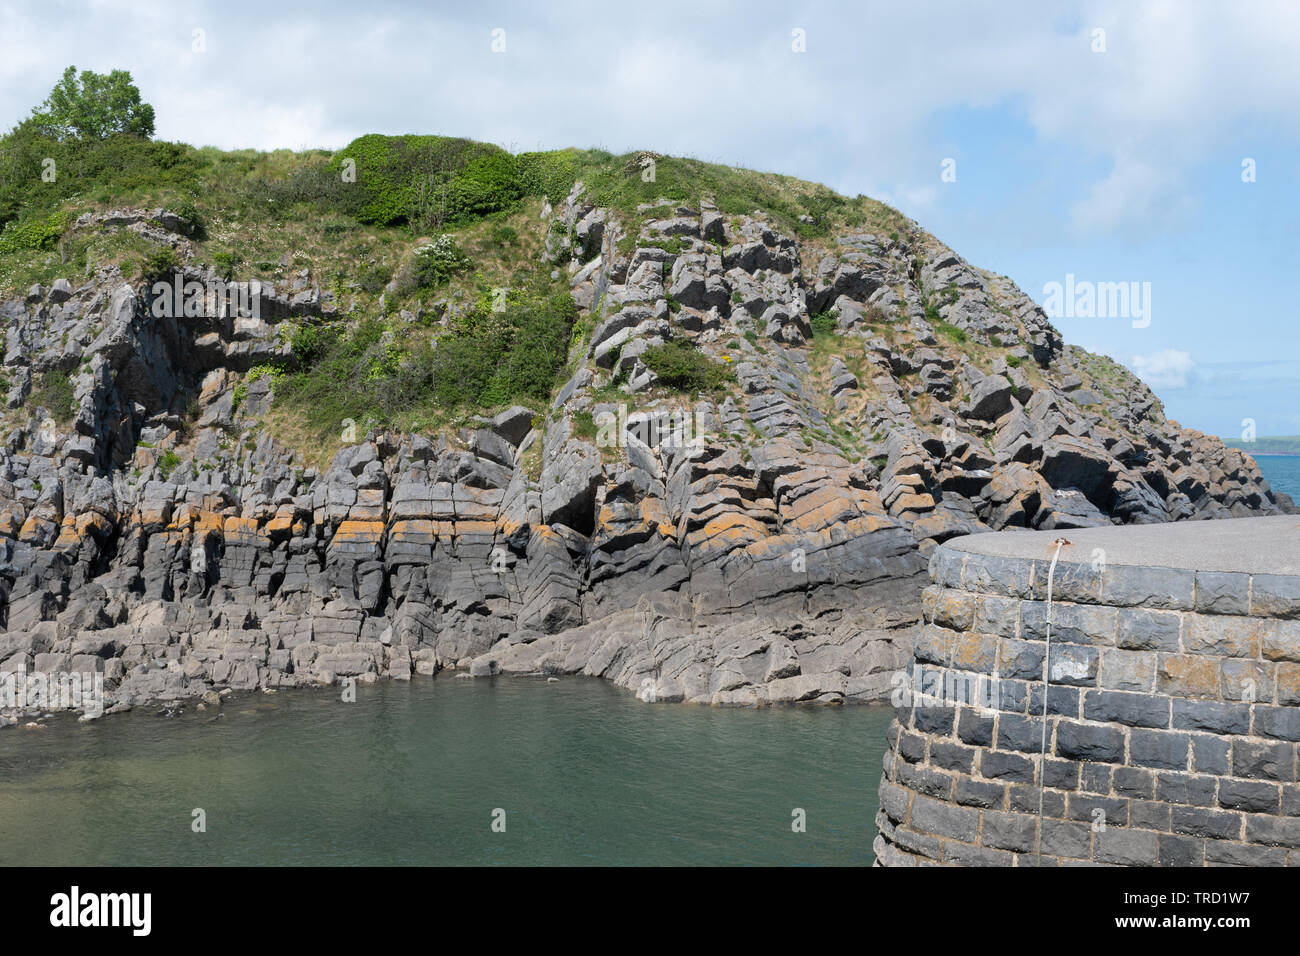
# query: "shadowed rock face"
779,555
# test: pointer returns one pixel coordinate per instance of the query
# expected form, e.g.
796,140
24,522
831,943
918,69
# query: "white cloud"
1168,368
1135,192
859,110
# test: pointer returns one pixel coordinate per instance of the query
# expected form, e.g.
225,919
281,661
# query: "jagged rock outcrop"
766,544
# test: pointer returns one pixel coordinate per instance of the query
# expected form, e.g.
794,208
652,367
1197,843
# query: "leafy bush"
435,264
191,220
118,166
159,264
56,394
40,232
427,181
373,276
225,263
167,463
550,174
824,323
308,343
681,366
485,358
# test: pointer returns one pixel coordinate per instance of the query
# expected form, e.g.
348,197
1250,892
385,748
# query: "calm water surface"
1282,472
411,774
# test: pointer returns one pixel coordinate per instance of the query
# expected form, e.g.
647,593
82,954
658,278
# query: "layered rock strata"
162,537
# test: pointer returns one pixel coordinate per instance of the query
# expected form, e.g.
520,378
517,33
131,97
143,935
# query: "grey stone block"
1273,831
894,800
1203,822
1135,710
959,854
1084,807
1178,850
1223,636
944,819
1009,831
911,747
1221,592
946,567
998,575
974,728
1078,741
1127,670
979,793
1149,587
1020,660
1192,789
952,756
1257,760
1275,595
1280,723
937,721
935,783
1073,664
1073,581
1002,765
1061,774
1142,629
997,615
1291,800
1126,847
1219,853
1149,815
1071,623
1012,695
1134,782
1021,733
1210,754
1061,701
1095,777
1024,799
1161,749
1062,838
1253,796
1210,715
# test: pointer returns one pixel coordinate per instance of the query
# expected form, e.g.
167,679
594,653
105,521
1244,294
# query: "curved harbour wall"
1173,701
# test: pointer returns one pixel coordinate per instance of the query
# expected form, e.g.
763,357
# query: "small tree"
94,106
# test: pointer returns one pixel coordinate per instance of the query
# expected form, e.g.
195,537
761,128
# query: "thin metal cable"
1047,675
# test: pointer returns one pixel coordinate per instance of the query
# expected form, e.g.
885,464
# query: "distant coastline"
1267,445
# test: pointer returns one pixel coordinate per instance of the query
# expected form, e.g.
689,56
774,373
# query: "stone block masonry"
1173,701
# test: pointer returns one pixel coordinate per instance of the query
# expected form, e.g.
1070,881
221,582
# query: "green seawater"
412,773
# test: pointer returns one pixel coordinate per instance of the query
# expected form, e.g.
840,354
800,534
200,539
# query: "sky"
1077,144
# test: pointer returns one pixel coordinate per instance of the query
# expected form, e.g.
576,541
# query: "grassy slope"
271,215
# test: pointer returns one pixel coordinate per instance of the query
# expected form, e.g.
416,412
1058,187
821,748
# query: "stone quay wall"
1173,702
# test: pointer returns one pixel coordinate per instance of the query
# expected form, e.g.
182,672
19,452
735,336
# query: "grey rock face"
762,544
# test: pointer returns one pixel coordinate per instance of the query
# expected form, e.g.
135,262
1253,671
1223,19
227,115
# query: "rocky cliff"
764,540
